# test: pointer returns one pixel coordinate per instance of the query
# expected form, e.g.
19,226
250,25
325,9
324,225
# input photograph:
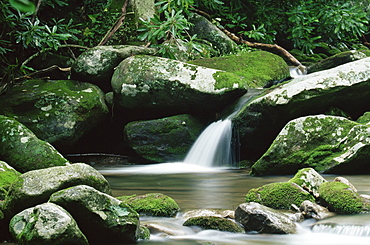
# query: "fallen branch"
116,26
273,48
42,71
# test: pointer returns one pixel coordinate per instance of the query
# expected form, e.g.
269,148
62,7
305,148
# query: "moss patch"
279,195
214,223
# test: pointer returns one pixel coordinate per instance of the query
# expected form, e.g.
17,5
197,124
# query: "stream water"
220,188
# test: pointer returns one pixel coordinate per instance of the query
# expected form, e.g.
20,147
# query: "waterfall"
213,146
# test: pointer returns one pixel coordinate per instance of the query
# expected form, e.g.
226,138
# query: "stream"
194,188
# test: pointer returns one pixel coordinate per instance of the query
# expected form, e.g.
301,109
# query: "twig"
36,10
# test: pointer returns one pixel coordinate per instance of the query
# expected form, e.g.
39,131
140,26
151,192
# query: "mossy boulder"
158,140
261,119
57,111
96,65
325,143
152,204
204,29
257,68
214,223
22,150
164,87
8,176
364,119
102,218
35,187
336,60
280,195
340,198
46,224
308,179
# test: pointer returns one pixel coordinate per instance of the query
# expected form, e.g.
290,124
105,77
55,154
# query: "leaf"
23,6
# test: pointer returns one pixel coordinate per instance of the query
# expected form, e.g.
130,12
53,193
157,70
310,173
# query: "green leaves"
23,5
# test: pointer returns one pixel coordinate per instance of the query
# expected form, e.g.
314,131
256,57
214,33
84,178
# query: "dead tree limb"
116,26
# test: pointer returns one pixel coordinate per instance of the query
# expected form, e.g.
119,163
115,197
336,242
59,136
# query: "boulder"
58,111
261,119
158,140
35,187
258,218
204,29
102,218
97,64
46,224
327,144
258,68
314,210
336,60
22,150
214,223
153,204
364,119
8,176
280,195
340,198
164,87
308,179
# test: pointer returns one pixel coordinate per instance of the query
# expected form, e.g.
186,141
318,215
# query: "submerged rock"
102,218
58,111
22,150
258,218
35,187
326,143
153,204
158,140
214,223
97,64
280,195
159,86
46,224
257,68
260,120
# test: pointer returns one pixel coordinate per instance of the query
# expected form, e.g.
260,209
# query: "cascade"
213,146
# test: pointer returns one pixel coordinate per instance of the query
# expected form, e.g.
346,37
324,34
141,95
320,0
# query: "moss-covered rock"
364,119
22,150
96,65
214,223
158,140
340,198
153,204
325,143
8,176
144,233
35,187
280,195
166,87
336,60
102,218
261,119
308,179
46,224
257,68
57,111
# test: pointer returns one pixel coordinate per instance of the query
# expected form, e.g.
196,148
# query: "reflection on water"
220,189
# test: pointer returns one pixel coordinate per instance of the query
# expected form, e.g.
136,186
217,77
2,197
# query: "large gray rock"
166,87
22,150
35,187
46,223
97,64
102,218
158,140
58,111
204,29
325,143
258,218
259,122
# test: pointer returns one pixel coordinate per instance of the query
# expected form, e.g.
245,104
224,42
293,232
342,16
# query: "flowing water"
220,188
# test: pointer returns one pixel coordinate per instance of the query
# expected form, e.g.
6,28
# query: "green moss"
228,80
279,195
341,199
153,204
214,223
144,233
364,119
